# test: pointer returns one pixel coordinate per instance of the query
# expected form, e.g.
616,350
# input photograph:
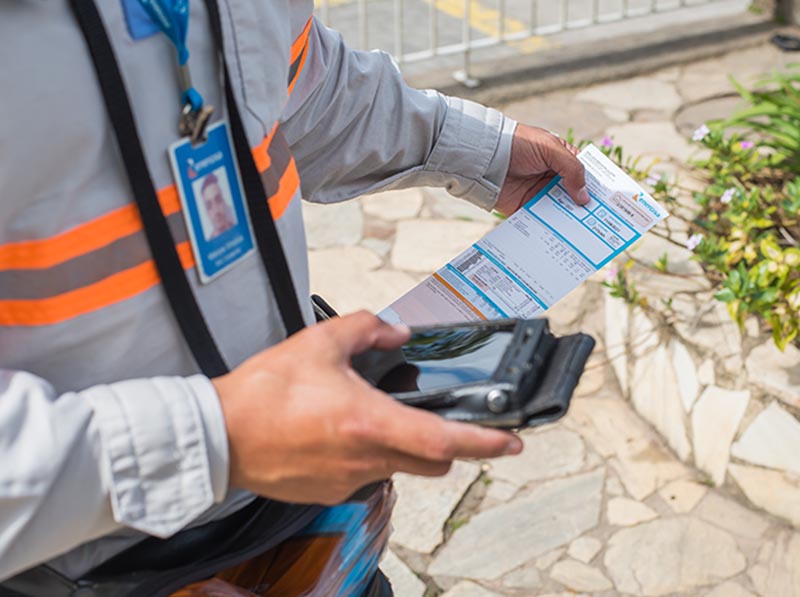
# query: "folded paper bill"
539,254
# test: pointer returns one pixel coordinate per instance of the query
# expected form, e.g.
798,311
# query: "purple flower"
701,133
747,145
727,196
611,274
607,142
693,241
652,180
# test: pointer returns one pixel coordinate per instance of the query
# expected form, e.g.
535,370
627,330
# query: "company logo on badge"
193,168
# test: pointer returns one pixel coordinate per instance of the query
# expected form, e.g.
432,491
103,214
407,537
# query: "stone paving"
597,504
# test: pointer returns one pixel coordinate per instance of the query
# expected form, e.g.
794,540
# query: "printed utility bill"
538,255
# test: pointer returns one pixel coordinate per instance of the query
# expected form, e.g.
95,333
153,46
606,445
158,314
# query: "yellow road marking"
485,20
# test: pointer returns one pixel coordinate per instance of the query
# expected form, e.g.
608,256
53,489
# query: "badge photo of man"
214,197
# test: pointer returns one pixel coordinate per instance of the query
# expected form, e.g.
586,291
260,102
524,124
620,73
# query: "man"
219,212
108,432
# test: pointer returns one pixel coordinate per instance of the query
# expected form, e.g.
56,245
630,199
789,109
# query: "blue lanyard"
172,17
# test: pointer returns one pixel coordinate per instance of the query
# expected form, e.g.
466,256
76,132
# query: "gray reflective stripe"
295,66
123,254
280,156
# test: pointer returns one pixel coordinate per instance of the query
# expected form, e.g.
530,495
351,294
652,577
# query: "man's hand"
536,157
304,427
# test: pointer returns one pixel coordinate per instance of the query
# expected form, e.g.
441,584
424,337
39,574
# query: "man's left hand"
537,156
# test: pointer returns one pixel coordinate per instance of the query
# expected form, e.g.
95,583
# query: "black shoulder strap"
267,238
173,277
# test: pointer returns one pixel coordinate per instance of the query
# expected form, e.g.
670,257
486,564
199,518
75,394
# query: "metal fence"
420,30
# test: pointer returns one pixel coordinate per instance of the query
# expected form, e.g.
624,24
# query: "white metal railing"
513,21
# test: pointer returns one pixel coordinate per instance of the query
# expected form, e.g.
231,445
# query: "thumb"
359,332
562,161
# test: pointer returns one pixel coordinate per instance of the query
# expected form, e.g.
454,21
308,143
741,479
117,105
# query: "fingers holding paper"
537,156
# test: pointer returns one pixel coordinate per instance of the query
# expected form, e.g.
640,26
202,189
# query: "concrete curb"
518,77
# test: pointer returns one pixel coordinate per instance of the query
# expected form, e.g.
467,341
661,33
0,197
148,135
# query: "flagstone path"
597,504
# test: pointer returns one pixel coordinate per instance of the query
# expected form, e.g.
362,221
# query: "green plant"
620,285
456,523
744,227
748,212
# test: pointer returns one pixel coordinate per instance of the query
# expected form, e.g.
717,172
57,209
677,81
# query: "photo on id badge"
210,190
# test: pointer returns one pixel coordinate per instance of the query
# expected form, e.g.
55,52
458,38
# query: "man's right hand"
304,427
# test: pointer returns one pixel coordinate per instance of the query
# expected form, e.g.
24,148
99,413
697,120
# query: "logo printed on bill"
640,198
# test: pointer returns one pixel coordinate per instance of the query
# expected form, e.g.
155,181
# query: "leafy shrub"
745,223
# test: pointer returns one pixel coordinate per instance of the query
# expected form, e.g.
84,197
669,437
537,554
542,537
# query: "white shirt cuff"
166,456
474,150
216,435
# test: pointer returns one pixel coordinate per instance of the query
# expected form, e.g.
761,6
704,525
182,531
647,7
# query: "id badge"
210,188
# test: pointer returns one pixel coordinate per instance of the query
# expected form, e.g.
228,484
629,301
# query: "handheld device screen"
445,357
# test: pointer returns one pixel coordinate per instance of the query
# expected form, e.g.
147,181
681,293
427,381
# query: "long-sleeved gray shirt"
107,431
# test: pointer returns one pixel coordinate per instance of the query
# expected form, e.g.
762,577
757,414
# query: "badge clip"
193,123
195,115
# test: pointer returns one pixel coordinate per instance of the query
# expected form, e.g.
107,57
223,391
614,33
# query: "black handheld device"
508,374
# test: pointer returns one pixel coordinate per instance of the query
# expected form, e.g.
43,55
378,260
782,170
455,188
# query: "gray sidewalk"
597,504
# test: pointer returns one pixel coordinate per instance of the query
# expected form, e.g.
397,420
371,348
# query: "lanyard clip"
195,115
193,123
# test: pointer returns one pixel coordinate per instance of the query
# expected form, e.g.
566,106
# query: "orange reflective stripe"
186,255
169,201
83,239
113,289
125,284
100,232
41,254
261,153
300,42
290,182
103,230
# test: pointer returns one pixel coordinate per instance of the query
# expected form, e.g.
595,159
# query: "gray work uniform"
107,431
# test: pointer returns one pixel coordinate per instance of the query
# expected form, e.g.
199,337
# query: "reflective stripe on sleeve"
298,56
